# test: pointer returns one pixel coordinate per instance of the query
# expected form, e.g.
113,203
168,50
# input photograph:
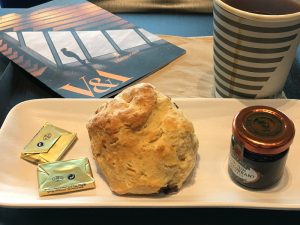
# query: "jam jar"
261,138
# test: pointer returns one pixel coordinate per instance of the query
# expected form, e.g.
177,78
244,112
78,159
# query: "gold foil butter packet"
65,176
48,145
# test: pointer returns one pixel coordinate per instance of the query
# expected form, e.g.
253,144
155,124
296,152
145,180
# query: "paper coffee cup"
253,53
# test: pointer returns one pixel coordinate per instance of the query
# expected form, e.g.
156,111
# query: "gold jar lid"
263,130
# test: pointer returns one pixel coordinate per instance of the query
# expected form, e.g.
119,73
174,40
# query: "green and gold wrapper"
48,145
65,176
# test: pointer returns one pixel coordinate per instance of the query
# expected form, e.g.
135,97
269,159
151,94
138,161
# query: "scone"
142,143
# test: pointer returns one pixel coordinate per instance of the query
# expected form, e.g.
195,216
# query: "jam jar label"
245,175
242,172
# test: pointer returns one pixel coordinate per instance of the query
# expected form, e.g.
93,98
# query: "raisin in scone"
142,143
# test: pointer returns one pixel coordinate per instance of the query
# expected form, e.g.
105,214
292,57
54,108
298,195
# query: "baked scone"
142,143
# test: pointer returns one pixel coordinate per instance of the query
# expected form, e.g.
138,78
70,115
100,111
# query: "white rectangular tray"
210,186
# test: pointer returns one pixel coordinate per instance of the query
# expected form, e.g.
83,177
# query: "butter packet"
48,145
65,176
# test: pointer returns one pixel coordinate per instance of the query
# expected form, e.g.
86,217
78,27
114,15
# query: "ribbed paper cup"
253,53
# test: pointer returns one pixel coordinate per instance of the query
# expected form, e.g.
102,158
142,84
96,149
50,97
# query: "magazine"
80,50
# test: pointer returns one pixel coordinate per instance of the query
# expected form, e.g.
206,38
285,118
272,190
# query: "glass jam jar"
261,137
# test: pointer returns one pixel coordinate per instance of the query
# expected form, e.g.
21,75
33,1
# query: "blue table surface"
187,25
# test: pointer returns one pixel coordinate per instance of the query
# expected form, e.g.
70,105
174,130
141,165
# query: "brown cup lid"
263,130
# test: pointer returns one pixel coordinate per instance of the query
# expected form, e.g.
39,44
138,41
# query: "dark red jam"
259,146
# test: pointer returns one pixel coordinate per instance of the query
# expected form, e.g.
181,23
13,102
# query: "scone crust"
142,142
